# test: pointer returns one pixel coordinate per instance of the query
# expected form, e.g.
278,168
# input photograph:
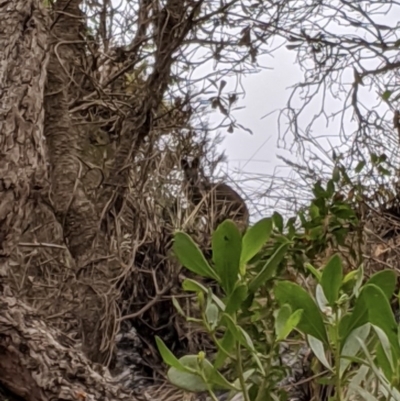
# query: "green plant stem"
338,379
213,396
267,368
240,373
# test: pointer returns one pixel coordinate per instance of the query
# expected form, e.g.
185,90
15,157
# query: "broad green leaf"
193,286
349,282
212,315
385,280
383,363
281,317
168,357
240,335
317,348
360,166
336,174
254,239
236,298
380,314
186,381
311,320
356,319
190,256
377,370
398,334
278,221
351,276
352,346
330,188
193,382
385,344
331,279
320,297
386,95
269,269
226,249
286,321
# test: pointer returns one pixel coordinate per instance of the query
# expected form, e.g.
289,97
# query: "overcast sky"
253,157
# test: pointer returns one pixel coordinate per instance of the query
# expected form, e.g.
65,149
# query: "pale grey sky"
252,157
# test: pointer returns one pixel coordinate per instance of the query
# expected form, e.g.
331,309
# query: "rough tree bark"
94,266
23,62
34,363
38,363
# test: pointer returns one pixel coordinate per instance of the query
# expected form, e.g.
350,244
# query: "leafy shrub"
348,325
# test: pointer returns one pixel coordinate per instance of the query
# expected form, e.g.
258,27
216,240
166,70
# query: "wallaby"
219,200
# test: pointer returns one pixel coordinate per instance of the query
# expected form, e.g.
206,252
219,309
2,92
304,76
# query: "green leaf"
286,321
225,346
269,268
317,348
281,317
356,319
190,256
352,346
193,286
192,381
350,277
212,315
254,239
186,381
336,174
318,191
226,249
380,314
278,221
330,188
386,95
311,320
168,357
320,297
331,279
385,280
240,335
385,344
178,307
314,271
236,298
383,362
314,211
360,166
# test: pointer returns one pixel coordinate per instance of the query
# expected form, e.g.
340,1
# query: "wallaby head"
191,171
221,201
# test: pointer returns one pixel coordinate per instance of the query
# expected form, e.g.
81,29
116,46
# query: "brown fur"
220,201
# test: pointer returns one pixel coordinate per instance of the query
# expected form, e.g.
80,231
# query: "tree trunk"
39,163
23,62
38,363
94,266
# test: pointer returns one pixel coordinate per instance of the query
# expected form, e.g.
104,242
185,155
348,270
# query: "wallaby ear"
196,163
184,164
